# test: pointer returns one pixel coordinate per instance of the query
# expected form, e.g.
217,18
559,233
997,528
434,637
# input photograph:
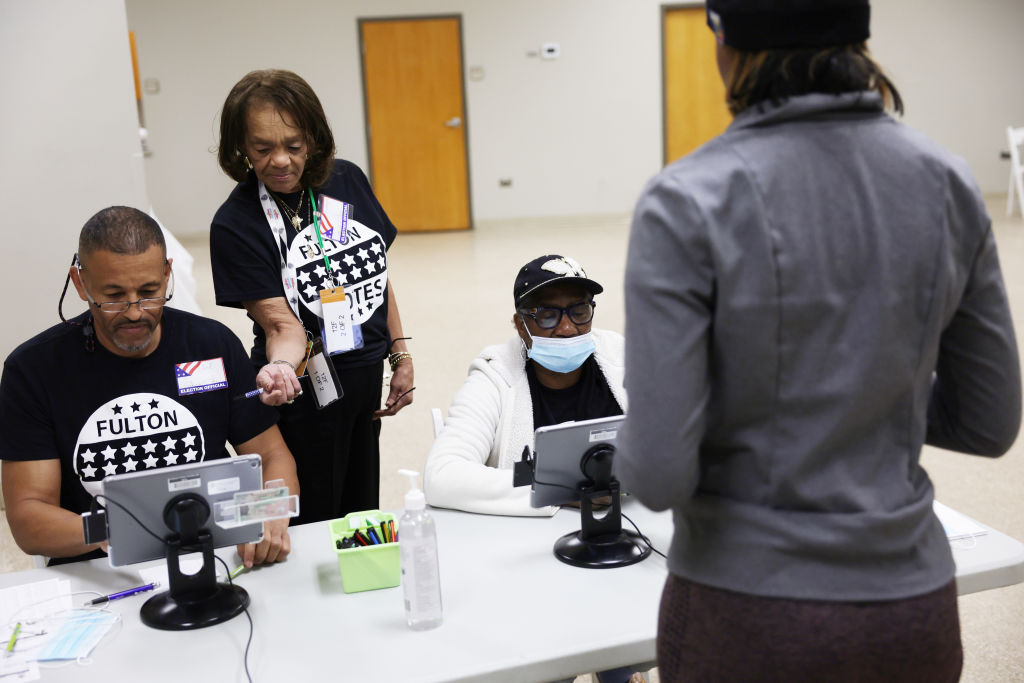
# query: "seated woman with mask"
555,370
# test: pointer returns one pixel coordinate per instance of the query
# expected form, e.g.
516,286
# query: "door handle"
453,122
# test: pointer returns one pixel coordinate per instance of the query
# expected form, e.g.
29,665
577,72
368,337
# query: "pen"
236,571
394,534
13,640
249,394
389,406
384,532
363,540
373,536
125,593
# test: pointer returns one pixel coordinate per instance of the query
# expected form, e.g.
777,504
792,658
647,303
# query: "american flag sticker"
197,376
334,219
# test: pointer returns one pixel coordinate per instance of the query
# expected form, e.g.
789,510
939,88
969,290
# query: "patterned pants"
709,634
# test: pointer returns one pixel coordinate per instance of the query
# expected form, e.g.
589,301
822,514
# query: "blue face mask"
77,636
561,354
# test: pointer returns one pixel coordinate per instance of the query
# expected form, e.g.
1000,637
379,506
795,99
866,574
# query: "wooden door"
694,97
416,121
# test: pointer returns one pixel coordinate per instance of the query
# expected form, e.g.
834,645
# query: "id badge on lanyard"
336,325
323,379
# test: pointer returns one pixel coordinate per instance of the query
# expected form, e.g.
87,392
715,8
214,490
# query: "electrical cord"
194,547
642,536
227,571
130,514
248,643
561,486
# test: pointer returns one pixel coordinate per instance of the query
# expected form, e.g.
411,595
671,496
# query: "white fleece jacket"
489,422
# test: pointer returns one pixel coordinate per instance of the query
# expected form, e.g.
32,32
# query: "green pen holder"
365,567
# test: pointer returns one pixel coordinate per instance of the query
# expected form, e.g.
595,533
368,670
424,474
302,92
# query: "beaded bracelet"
282,361
395,358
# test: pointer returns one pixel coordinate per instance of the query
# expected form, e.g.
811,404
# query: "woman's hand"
401,390
279,384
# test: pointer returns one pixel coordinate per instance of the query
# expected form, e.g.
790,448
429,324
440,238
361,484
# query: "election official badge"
197,376
359,264
134,433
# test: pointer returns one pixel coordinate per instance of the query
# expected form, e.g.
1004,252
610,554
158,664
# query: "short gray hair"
122,230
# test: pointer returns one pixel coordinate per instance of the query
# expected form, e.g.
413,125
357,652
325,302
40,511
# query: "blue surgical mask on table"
561,354
77,636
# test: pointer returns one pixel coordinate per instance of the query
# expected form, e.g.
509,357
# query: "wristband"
395,358
394,341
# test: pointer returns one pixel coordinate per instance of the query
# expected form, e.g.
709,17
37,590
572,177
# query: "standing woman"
810,297
298,223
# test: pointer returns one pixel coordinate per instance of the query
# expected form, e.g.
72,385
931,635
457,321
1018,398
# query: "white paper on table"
30,604
15,668
958,526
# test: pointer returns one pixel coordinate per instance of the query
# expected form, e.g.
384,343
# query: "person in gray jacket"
821,290
555,369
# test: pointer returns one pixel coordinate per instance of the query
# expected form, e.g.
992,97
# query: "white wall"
959,65
578,135
71,146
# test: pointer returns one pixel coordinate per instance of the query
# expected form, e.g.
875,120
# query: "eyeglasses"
115,307
548,318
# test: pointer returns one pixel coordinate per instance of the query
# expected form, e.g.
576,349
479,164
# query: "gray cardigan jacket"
819,290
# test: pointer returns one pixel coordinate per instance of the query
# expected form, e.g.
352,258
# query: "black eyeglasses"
548,317
115,307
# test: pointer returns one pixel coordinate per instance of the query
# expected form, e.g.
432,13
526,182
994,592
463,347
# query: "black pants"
708,634
336,449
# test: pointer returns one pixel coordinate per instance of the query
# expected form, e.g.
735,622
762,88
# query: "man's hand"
401,390
274,547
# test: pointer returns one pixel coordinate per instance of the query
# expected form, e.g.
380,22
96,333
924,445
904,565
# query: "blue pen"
249,394
373,536
125,593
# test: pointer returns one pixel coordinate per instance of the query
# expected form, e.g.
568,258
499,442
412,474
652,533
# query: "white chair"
1016,139
435,414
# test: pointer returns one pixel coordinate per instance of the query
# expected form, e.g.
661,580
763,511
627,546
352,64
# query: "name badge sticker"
218,486
603,435
334,218
198,376
337,321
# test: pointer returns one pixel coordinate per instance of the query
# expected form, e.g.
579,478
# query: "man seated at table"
554,370
113,391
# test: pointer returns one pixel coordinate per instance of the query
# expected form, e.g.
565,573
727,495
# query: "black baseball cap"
552,268
754,25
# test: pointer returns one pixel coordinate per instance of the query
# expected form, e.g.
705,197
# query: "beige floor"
454,292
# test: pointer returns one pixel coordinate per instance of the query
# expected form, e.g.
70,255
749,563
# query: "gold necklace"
294,217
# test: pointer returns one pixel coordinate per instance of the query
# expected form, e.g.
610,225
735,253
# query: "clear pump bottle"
421,579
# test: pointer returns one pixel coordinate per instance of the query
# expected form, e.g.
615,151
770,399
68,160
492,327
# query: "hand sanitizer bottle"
417,542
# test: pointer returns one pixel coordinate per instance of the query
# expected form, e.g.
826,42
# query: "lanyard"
319,235
276,222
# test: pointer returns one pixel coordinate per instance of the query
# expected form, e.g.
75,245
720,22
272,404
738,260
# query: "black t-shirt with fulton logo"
246,258
101,414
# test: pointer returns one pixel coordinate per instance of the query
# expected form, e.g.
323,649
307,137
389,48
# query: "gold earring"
247,162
